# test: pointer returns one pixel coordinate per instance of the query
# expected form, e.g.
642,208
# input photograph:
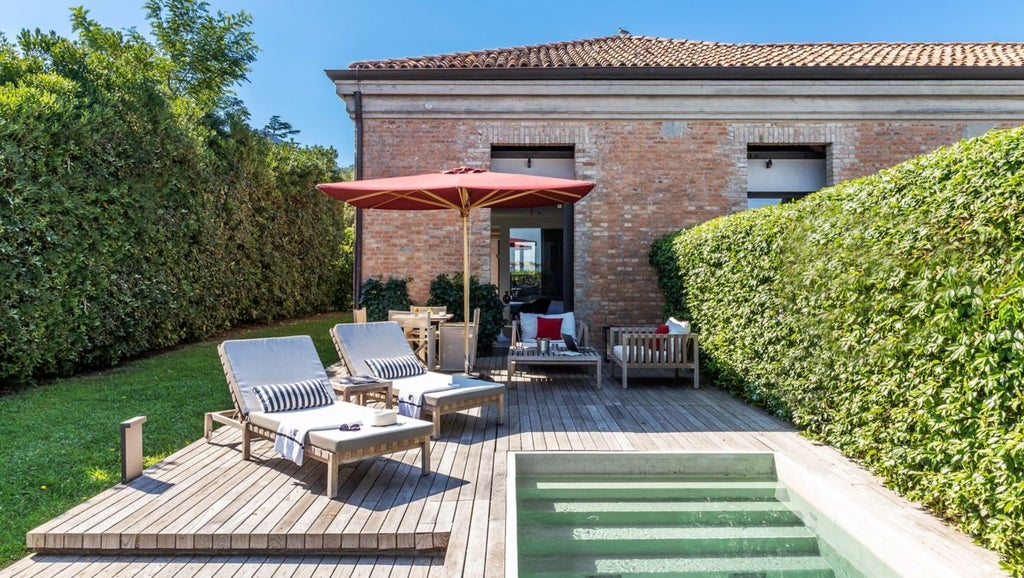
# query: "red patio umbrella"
462,189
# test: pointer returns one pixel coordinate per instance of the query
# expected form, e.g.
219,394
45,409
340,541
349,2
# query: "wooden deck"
203,511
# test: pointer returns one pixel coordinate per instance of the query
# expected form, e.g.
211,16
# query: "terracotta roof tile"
646,51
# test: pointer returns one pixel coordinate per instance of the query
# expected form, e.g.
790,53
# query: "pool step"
636,567
624,488
689,513
667,540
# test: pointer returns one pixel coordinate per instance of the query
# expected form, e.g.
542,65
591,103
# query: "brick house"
674,132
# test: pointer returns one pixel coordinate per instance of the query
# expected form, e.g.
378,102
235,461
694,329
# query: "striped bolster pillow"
396,367
298,395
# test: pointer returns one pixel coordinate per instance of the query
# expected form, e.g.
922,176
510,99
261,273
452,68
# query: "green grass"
60,441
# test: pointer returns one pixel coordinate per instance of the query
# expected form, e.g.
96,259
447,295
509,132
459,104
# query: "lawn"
61,441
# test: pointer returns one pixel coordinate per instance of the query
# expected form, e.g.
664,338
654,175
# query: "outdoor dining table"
436,319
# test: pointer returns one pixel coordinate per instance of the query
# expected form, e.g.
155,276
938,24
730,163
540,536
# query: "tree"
277,129
209,53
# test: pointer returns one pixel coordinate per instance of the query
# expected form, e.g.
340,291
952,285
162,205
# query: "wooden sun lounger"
357,342
252,362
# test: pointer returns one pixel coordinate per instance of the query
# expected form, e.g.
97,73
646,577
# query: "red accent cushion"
655,344
550,327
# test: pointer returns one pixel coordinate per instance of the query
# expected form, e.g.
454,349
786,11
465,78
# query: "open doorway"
530,252
531,257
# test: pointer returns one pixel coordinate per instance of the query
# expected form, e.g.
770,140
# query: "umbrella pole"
465,290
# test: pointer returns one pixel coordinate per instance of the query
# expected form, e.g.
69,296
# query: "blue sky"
301,38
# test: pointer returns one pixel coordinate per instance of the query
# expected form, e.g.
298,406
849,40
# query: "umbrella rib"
439,201
555,196
391,196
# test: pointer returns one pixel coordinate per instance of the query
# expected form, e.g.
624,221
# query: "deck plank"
205,512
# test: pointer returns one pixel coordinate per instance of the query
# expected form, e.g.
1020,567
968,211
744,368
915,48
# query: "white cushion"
635,353
528,324
298,395
677,327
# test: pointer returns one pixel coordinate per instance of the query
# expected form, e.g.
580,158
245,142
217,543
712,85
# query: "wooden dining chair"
452,353
419,331
396,314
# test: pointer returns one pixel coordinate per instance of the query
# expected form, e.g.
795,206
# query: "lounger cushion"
439,389
465,390
336,440
395,367
295,395
253,362
364,341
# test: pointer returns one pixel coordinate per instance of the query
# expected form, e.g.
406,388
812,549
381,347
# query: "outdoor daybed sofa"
362,346
527,328
254,367
648,348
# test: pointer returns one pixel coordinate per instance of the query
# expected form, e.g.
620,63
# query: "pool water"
608,519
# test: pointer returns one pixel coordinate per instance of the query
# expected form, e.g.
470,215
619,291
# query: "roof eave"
687,73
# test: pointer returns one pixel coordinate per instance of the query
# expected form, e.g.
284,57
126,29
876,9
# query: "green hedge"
379,297
446,291
131,221
884,316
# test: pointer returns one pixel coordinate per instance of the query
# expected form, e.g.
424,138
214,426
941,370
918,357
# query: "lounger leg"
501,409
435,413
425,458
625,370
599,385
333,465
208,426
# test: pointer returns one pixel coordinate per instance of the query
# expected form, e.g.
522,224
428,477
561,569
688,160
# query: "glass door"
535,263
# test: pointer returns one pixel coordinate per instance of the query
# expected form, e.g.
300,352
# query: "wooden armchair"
419,332
642,348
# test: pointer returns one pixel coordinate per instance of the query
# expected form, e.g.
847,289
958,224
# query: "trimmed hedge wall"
883,316
130,222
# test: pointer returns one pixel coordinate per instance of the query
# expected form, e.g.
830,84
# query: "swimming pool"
612,514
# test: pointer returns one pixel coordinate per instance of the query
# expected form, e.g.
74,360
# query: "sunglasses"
348,427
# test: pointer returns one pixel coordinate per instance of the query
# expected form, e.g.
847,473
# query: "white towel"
410,397
291,433
290,441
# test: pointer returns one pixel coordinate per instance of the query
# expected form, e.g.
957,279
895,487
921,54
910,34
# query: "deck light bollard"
131,448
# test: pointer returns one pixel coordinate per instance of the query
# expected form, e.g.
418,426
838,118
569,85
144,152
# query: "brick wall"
653,177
